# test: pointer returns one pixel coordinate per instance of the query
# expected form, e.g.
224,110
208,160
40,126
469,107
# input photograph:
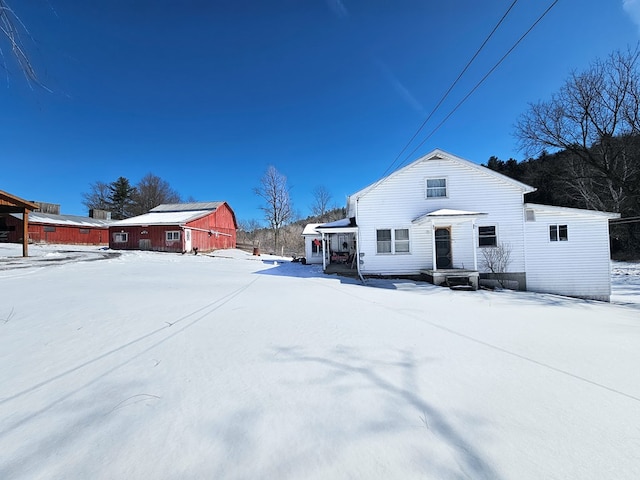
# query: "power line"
483,79
455,82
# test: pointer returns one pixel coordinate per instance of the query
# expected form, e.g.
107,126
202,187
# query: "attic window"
436,187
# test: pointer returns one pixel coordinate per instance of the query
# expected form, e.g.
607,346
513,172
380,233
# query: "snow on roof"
185,207
343,222
447,212
567,210
69,220
163,218
310,229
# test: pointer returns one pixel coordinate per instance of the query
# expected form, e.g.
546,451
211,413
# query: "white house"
440,215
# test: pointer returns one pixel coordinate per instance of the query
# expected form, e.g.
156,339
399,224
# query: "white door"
187,240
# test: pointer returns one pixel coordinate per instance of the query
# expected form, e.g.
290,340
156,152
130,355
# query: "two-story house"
441,215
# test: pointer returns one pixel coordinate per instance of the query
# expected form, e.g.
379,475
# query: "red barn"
177,227
59,229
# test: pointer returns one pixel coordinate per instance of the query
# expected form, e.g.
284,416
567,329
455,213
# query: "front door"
443,248
187,239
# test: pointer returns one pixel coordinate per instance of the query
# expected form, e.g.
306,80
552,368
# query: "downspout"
358,244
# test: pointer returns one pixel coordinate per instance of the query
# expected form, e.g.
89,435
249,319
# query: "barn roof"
186,207
163,218
64,220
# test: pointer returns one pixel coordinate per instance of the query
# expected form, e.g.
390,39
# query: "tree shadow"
346,370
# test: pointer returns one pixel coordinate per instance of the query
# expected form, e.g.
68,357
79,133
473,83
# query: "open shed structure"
178,227
10,204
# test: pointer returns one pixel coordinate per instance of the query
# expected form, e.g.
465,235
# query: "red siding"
153,237
58,234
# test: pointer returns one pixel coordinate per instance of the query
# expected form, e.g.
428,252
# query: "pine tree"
121,198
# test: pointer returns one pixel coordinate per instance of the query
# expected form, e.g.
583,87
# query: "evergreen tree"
121,198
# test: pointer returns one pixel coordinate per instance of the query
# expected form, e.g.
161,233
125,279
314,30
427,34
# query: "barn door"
144,244
443,248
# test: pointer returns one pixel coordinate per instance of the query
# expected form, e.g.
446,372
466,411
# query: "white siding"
401,198
308,252
579,267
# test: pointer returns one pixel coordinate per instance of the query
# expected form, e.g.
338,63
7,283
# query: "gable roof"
174,214
438,154
310,229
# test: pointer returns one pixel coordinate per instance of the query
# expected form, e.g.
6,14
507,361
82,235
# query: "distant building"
178,227
58,229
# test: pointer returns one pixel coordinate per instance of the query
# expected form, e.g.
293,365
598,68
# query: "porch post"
433,246
324,262
474,244
25,232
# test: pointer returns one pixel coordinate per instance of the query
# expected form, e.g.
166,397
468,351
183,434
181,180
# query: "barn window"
121,237
84,231
173,236
558,233
436,187
49,229
487,236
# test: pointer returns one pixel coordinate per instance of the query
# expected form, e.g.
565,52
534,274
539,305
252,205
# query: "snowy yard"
162,366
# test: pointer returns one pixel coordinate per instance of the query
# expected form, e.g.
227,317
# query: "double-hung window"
392,240
173,236
436,187
558,233
487,236
121,237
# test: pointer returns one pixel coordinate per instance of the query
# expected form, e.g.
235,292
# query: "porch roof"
447,215
344,225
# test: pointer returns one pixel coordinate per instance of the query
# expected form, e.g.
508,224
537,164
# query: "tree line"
592,126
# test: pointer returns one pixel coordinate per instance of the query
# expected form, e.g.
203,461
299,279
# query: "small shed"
312,243
177,227
10,204
61,229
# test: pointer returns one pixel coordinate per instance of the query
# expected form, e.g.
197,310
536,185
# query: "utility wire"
482,80
446,94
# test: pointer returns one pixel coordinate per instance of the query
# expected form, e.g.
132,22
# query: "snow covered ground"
147,365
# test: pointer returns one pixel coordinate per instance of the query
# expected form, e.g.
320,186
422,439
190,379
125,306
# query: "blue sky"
208,94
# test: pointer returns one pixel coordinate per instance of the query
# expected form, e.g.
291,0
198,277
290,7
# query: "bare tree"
496,260
97,197
595,117
152,191
321,199
13,30
277,208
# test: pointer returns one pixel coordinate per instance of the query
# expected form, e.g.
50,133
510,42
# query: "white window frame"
393,242
120,237
555,231
495,236
427,188
316,250
172,236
